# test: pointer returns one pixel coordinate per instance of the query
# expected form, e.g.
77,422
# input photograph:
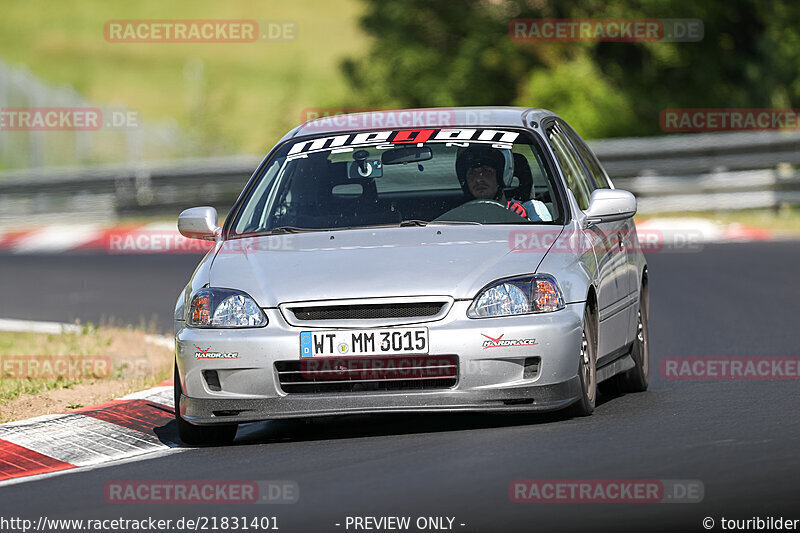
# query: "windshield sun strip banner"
385,140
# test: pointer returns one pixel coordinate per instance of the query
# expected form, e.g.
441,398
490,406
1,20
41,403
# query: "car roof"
430,117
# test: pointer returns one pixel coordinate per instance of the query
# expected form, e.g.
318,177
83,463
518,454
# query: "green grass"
119,346
86,343
245,96
11,389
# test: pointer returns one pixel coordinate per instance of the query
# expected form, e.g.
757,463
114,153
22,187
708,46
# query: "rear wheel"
587,368
200,435
637,378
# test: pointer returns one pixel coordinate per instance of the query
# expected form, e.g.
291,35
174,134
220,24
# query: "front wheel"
637,378
587,368
200,435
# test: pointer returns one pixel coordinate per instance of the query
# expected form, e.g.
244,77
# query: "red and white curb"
112,431
155,238
700,231
163,237
116,430
34,326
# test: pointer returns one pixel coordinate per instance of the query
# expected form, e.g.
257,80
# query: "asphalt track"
99,288
739,438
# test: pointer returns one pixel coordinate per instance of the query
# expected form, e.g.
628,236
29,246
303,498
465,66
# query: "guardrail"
105,192
685,172
709,171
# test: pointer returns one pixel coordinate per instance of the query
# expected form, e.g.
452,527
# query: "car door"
613,322
626,232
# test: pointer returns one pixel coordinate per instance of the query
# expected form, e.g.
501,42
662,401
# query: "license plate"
364,342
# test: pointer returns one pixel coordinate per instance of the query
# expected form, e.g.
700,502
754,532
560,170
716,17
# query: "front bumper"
532,397
488,379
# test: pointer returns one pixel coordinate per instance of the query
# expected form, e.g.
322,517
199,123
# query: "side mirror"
199,223
609,205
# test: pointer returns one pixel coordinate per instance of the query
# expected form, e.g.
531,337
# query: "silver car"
467,259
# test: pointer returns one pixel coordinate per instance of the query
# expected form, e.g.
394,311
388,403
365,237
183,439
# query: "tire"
200,435
637,378
587,368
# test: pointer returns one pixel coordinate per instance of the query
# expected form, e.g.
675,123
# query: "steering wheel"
480,211
485,202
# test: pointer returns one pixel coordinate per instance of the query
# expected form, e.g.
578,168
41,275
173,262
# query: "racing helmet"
500,160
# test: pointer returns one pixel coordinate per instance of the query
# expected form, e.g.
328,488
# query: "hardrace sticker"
500,342
207,354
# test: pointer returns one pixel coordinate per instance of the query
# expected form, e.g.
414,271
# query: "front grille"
368,311
367,374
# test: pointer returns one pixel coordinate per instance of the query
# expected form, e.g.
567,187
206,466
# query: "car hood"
452,261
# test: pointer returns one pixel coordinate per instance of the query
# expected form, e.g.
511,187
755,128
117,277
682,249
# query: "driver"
480,172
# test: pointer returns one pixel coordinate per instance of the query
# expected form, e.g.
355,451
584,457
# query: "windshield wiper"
281,230
423,223
285,229
455,222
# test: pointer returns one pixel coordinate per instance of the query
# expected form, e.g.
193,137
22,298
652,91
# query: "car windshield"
402,178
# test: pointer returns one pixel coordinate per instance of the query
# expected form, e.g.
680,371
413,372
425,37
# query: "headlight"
224,308
518,296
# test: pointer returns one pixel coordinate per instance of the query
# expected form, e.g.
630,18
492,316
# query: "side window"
253,215
577,180
600,178
531,180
